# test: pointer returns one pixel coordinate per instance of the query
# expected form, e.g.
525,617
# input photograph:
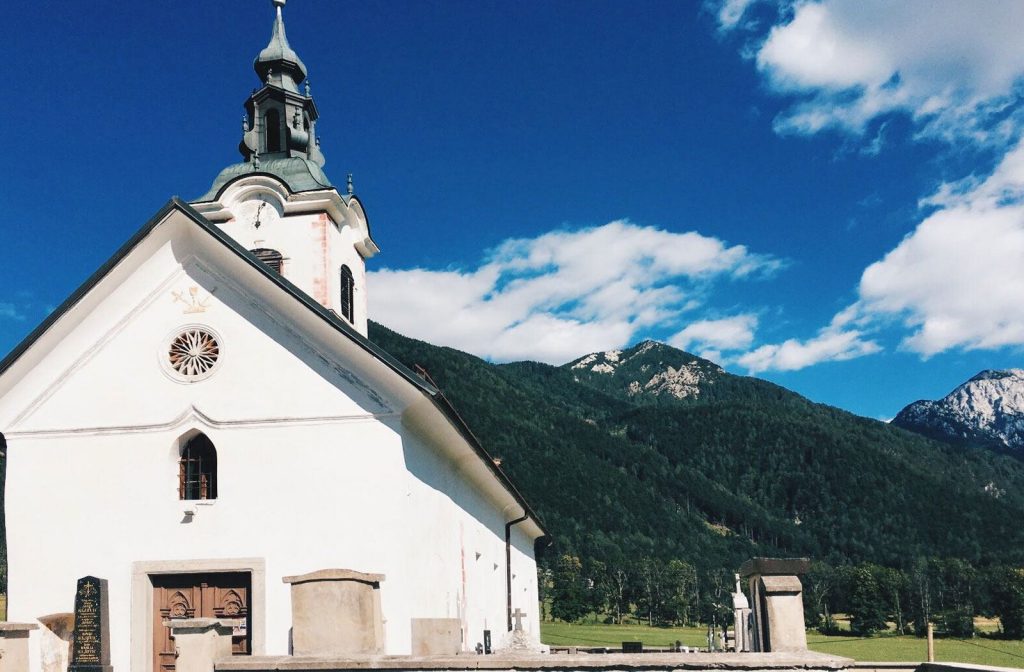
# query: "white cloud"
951,65
11,312
956,69
713,336
958,279
730,12
830,345
561,294
955,282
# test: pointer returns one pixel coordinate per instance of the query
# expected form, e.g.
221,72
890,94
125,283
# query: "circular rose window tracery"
194,353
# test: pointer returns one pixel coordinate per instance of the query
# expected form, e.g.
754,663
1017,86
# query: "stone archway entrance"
200,595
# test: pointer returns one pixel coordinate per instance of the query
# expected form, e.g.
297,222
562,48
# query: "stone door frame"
142,600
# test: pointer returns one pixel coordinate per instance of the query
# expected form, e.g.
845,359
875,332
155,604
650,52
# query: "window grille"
197,469
193,353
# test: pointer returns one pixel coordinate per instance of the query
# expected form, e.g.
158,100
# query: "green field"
980,651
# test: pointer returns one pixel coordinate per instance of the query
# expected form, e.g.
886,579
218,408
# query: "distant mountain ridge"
652,451
986,410
655,372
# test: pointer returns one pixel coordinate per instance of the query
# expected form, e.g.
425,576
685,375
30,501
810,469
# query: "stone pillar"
740,619
200,642
778,606
336,612
14,646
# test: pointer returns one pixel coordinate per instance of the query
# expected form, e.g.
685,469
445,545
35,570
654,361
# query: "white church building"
205,416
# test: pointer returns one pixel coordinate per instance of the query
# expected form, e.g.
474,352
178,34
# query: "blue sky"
824,194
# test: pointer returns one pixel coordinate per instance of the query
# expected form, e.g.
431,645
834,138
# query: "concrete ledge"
885,666
335,575
605,662
5,626
963,667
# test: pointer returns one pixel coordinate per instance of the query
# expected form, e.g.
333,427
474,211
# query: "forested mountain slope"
654,452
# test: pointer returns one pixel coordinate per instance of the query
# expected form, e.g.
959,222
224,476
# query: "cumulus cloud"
958,279
563,293
952,66
714,336
830,345
956,70
729,13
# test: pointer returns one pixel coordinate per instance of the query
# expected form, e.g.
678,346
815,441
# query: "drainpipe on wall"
508,566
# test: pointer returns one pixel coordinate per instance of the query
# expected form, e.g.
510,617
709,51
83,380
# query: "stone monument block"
436,636
200,642
90,648
336,612
778,607
55,641
14,646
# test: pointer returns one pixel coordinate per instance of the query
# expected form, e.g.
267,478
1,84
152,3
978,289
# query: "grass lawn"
882,648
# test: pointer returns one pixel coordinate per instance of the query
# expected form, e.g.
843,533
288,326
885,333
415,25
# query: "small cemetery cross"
518,615
90,651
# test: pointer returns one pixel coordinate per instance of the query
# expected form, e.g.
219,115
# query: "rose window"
194,353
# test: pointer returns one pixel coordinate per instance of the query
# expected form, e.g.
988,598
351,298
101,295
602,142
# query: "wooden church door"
208,595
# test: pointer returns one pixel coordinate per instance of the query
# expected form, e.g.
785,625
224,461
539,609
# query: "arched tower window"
269,257
272,124
197,469
347,287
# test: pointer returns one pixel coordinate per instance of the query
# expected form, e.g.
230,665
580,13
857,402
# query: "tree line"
649,590
949,593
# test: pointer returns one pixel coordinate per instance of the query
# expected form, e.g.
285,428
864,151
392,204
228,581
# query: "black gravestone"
632,647
487,642
90,649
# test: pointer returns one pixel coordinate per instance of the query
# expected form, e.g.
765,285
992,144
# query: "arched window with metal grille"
197,469
269,257
347,289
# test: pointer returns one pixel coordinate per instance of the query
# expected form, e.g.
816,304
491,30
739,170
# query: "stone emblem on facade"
193,302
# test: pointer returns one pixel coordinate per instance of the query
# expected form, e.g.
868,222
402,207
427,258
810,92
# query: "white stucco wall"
316,468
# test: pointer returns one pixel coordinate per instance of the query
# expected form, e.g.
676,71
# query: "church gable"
199,341
180,330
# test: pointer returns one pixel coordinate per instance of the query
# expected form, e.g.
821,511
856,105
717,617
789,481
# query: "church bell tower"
278,202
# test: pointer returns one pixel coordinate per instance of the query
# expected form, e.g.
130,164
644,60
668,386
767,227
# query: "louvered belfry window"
269,257
197,470
347,288
272,121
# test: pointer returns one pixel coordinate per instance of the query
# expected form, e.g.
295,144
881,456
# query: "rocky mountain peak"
998,374
987,409
648,368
